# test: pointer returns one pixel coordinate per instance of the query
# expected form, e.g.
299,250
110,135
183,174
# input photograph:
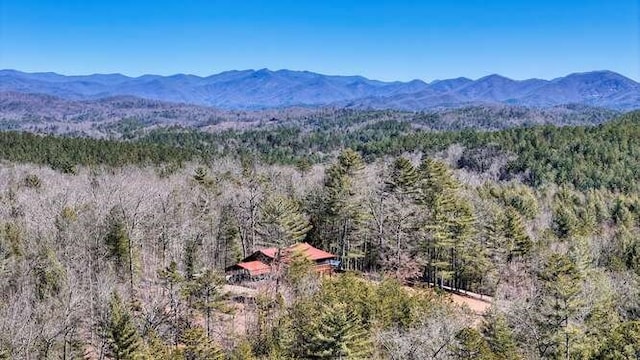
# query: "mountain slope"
253,89
126,116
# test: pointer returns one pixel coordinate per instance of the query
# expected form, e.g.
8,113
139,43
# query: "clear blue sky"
387,40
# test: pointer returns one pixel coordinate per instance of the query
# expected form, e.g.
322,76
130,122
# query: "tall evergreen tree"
471,345
228,238
281,223
171,280
403,178
120,334
197,346
557,305
48,274
623,343
499,337
337,334
451,224
343,214
519,242
117,238
205,294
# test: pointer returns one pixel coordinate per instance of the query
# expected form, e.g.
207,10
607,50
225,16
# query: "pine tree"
201,176
12,244
442,243
557,305
403,178
396,222
157,349
342,216
119,243
242,351
515,232
171,280
435,181
303,165
205,294
117,238
623,342
191,258
471,345
228,238
565,220
120,333
337,334
281,223
496,239
48,274
5,352
499,337
299,271
451,224
197,346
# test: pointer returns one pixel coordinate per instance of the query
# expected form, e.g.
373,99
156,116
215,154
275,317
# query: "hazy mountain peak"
264,88
495,77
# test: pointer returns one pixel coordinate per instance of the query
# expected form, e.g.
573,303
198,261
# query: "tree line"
125,262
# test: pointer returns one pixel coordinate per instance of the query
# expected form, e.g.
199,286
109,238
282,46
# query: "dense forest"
113,249
127,117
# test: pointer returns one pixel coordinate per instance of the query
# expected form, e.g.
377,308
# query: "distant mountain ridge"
255,89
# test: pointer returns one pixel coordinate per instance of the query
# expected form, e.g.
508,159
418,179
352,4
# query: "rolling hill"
258,89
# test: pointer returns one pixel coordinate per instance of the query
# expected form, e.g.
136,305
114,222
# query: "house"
261,263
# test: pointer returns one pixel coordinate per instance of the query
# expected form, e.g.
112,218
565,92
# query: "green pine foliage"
500,337
281,222
65,153
48,273
117,238
568,155
450,227
557,305
404,177
12,238
519,241
204,293
340,217
337,334
299,272
201,177
197,346
122,340
229,237
545,220
471,345
623,342
514,195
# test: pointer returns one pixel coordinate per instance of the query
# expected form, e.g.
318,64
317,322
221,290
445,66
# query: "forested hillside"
127,117
117,249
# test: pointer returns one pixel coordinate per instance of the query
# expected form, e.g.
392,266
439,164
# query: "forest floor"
478,304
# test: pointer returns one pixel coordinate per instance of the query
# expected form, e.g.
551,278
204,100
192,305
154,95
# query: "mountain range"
259,89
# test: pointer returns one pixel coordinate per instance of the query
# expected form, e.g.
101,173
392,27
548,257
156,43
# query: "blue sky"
387,40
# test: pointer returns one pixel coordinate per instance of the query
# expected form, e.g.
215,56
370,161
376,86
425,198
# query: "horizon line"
317,73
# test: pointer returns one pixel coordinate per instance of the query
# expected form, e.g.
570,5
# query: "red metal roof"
269,252
255,267
307,250
310,252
